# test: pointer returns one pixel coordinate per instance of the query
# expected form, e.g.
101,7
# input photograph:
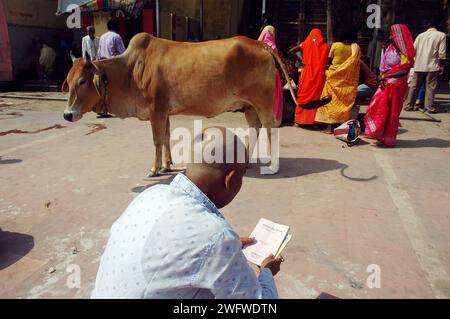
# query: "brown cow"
157,78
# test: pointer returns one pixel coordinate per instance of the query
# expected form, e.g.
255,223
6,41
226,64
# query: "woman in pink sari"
383,115
268,37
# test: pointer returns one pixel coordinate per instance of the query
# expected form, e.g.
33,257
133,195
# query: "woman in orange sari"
312,81
383,115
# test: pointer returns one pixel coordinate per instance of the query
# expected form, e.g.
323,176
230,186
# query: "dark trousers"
431,81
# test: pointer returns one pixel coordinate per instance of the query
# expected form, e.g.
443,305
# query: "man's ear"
228,178
65,87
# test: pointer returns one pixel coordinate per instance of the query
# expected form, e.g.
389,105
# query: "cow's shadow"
296,167
288,168
13,247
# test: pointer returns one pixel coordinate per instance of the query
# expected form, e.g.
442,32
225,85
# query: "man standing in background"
90,44
110,45
430,49
47,59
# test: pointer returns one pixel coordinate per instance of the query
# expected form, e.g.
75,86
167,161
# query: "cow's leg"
255,125
268,126
268,121
159,123
167,156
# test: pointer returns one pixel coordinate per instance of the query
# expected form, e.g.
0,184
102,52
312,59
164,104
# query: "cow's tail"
278,60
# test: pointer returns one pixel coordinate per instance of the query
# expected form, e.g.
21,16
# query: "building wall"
31,19
181,8
190,8
36,13
5,51
221,17
100,22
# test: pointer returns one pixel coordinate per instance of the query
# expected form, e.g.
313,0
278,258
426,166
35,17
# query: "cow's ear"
97,70
97,85
65,87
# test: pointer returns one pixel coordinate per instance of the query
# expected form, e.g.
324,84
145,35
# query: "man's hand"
274,265
441,70
245,241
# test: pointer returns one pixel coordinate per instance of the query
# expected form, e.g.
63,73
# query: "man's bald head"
218,164
217,150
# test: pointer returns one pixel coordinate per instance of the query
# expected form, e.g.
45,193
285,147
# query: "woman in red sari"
383,115
312,81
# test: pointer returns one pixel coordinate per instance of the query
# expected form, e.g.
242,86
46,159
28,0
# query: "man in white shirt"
173,243
90,44
430,49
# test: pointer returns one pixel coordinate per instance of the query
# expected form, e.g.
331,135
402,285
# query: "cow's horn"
72,56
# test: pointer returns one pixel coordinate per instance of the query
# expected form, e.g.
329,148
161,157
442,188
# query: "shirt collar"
187,186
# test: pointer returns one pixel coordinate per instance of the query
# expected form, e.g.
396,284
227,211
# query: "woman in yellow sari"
342,80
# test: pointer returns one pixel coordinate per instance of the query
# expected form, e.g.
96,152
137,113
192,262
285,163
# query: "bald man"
90,43
173,243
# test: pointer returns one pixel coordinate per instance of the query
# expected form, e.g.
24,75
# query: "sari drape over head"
312,81
341,85
383,114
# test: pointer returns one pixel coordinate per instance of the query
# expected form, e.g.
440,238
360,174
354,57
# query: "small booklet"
271,239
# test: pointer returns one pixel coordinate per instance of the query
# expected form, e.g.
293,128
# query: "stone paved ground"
62,188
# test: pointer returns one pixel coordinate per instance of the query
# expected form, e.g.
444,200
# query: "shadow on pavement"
296,167
402,131
13,247
289,168
9,161
426,143
420,119
357,179
326,296
164,179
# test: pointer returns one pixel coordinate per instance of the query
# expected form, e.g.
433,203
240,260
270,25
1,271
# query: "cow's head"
84,88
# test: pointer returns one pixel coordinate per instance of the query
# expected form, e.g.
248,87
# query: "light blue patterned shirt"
173,243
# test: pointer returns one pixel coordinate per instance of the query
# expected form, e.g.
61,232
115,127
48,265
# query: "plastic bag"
348,132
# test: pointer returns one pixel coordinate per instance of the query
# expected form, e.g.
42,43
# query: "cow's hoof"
152,174
165,170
